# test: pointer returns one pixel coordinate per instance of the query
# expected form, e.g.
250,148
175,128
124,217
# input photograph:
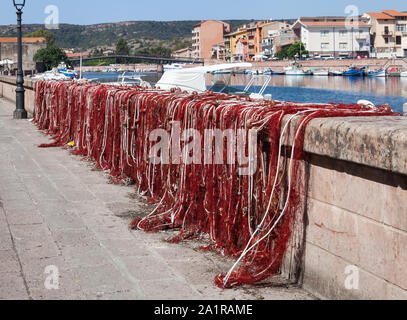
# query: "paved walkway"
55,211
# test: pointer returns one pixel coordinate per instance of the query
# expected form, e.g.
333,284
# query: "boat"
54,74
130,81
174,66
403,74
222,72
295,70
194,80
354,72
62,68
335,73
378,73
320,72
269,71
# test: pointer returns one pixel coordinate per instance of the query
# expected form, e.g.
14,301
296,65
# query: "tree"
297,50
97,52
51,56
122,47
155,51
282,53
48,35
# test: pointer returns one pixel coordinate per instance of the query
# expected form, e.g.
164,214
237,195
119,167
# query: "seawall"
331,64
355,203
8,91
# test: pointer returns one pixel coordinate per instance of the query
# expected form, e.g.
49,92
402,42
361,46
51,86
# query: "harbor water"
312,89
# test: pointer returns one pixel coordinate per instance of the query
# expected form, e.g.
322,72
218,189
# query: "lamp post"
20,112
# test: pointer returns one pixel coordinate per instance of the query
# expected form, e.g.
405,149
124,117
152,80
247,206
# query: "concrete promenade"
56,212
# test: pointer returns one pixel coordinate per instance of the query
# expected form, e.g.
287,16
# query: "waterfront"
391,91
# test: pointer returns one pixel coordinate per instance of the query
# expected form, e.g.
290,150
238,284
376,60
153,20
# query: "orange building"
206,35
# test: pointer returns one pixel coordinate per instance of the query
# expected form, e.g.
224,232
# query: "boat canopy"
193,79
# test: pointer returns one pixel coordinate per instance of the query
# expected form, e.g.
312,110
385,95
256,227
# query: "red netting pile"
235,190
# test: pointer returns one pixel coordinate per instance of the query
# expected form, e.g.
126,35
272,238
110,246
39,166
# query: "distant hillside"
91,36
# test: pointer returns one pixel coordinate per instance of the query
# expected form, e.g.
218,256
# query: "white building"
334,36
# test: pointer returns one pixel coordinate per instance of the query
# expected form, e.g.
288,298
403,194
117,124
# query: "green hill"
107,34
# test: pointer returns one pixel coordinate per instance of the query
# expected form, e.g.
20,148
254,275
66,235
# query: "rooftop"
380,16
395,13
25,40
331,23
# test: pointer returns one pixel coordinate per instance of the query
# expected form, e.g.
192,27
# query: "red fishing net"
241,190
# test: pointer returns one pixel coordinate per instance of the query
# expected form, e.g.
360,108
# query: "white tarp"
193,79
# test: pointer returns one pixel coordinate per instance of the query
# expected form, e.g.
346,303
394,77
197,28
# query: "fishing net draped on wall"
211,162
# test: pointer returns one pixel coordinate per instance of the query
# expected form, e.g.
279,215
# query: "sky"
99,11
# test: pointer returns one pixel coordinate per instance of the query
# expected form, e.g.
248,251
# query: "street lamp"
20,112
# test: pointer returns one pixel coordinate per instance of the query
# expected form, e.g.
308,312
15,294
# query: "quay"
56,211
355,217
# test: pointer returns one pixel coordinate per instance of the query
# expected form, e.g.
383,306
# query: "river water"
391,91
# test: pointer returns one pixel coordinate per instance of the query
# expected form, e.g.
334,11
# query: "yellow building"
231,40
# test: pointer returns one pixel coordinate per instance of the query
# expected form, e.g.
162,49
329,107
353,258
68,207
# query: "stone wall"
355,203
8,91
331,64
9,51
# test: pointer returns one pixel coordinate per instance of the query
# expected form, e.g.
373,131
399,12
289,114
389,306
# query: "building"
9,48
218,51
388,33
236,45
206,35
334,36
276,35
183,53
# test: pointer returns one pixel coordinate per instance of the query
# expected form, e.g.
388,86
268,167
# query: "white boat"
295,70
403,74
130,81
378,73
54,74
174,66
320,72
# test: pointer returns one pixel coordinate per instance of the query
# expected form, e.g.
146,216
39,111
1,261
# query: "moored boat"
354,72
335,73
378,73
403,74
295,70
320,72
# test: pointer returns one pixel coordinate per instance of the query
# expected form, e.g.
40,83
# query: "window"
343,33
324,33
398,40
325,46
401,28
343,46
386,40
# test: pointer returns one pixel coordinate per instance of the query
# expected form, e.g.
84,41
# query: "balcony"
387,33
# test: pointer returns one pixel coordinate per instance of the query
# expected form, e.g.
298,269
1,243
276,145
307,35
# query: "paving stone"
85,256
12,287
9,261
75,237
168,290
